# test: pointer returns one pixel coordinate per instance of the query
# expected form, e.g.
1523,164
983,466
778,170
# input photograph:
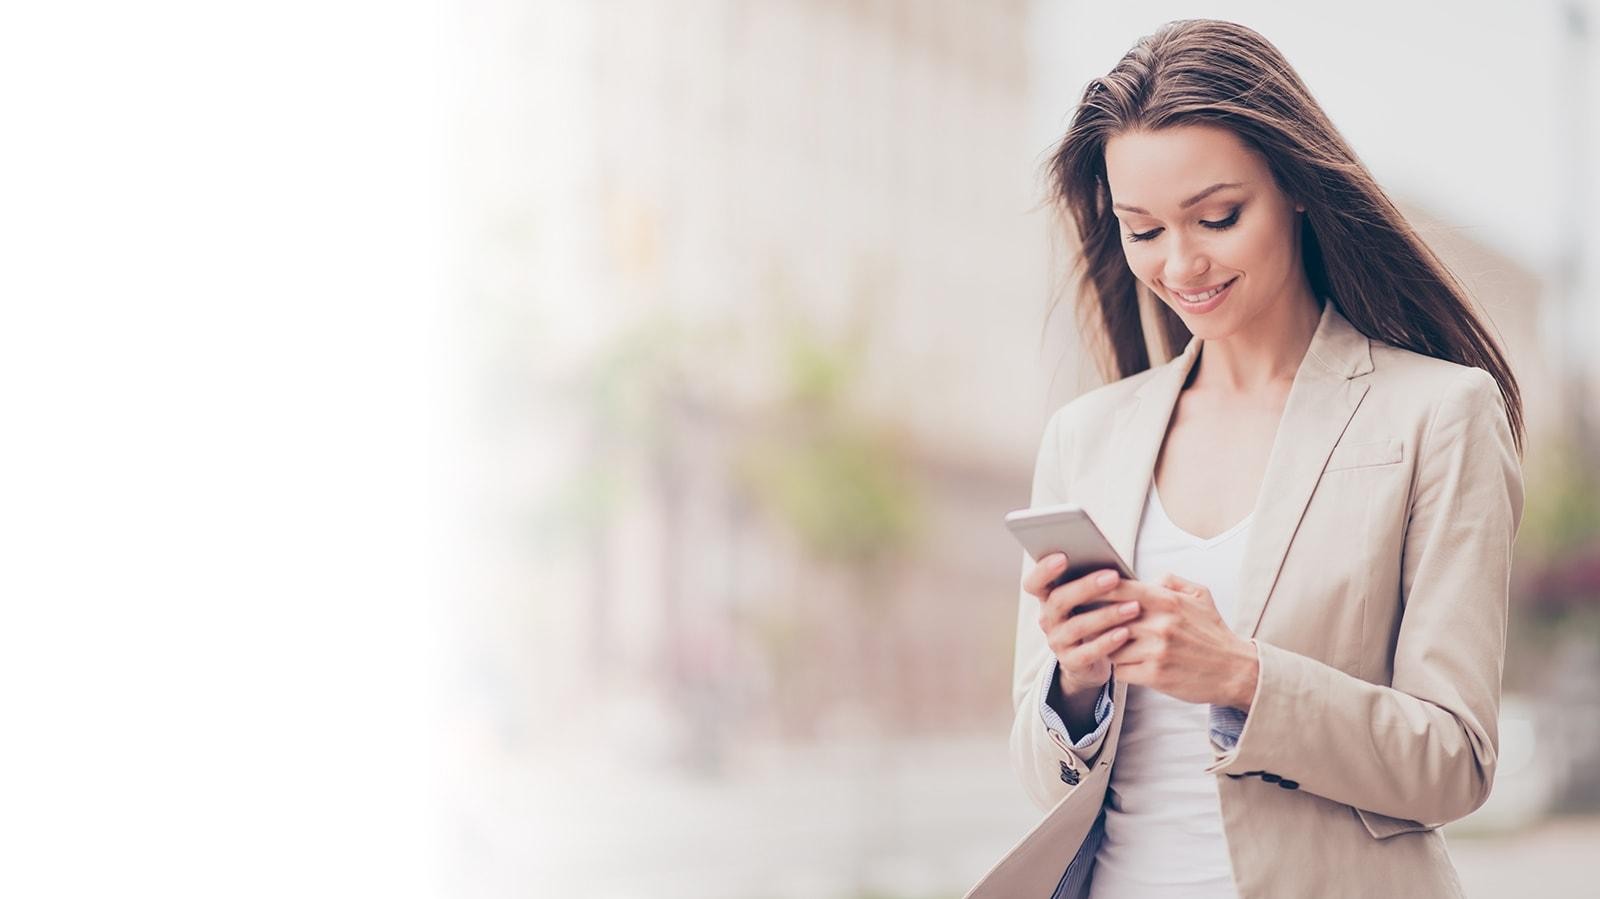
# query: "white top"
1163,827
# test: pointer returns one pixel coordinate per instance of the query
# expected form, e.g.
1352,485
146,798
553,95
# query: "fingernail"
1059,560
1107,578
1128,608
1119,633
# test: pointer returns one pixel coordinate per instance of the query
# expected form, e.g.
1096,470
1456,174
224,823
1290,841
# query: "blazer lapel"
1321,401
1136,436
1117,501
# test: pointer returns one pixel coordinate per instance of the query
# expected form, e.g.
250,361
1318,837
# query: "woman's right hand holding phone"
1080,638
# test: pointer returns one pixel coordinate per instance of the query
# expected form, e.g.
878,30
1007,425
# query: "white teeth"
1200,298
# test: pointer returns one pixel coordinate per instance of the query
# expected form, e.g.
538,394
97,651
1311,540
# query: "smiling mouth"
1204,295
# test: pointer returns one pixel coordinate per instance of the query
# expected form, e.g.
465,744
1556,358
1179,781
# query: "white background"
221,399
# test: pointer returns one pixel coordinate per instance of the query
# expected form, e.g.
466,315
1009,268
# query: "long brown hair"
1359,252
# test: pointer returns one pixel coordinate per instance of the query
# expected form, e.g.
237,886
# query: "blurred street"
906,819
1552,858
759,358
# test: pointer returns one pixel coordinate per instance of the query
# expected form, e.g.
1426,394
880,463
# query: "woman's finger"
1090,625
1046,570
1074,593
1080,658
1173,582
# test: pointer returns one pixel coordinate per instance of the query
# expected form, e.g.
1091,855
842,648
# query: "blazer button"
1069,775
1271,778
1288,785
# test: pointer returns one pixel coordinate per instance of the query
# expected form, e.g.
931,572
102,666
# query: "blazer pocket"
1383,827
1366,454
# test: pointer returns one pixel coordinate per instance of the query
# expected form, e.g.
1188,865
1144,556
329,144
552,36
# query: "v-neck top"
1165,522
1163,825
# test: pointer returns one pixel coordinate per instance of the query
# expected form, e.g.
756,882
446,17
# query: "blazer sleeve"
1424,747
1055,705
1044,758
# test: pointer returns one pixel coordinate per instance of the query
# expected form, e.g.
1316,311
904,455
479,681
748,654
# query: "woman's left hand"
1181,646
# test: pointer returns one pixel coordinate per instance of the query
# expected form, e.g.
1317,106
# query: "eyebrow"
1186,203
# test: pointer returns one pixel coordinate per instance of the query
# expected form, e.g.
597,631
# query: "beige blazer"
1374,585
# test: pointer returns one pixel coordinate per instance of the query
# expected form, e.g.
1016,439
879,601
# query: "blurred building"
703,236
681,194
683,189
1513,298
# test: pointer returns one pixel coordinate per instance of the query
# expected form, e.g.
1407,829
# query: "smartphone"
1067,529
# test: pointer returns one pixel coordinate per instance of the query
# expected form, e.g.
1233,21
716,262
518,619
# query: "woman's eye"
1223,225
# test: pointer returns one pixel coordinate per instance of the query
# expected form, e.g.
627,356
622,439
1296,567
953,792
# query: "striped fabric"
1053,698
1075,881
1226,723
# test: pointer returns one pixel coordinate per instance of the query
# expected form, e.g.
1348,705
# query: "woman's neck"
1265,353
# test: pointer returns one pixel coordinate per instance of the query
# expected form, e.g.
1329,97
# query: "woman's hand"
1082,642
1182,647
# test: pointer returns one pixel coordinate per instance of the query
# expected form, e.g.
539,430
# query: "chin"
1206,327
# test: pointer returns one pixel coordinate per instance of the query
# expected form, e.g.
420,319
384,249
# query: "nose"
1186,262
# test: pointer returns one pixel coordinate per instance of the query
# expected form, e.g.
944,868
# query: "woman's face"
1200,210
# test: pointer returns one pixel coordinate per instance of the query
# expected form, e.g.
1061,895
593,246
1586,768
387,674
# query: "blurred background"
757,295
505,448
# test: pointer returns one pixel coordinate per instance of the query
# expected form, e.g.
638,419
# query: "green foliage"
830,474
625,387
841,489
622,393
1562,510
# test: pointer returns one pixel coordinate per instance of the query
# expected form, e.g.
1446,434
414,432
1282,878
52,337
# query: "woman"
1318,495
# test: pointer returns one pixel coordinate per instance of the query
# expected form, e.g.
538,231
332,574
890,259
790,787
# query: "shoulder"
1059,450
1455,422
1428,385
1096,406
1452,416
